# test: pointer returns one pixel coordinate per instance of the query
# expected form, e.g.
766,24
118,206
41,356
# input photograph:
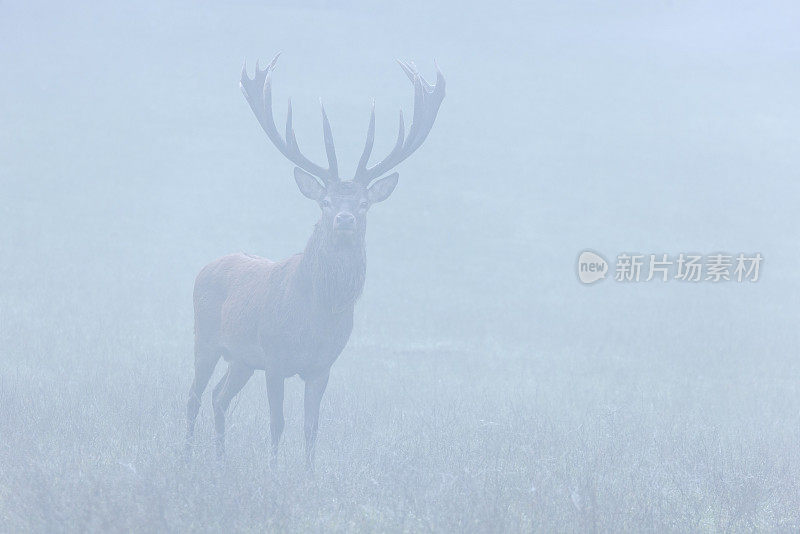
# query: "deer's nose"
344,220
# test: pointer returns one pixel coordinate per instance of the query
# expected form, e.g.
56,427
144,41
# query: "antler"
427,99
258,93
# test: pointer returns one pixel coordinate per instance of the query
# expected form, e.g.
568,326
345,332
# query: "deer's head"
344,203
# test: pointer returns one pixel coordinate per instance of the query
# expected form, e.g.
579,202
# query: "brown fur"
288,318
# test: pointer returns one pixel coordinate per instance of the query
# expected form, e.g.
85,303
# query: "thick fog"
484,387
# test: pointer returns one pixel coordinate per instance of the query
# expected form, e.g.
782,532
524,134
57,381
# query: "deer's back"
260,312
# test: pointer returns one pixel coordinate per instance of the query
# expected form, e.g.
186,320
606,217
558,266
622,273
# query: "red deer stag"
294,317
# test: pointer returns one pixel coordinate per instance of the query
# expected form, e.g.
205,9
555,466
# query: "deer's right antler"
258,93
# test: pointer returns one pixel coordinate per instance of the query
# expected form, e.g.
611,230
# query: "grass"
434,437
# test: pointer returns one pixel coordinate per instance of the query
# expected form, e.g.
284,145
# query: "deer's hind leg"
206,357
234,380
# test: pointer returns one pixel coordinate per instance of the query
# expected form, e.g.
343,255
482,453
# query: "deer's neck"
335,271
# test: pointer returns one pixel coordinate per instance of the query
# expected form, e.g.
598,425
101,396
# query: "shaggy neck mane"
336,272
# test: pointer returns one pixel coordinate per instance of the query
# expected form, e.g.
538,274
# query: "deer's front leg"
315,388
275,399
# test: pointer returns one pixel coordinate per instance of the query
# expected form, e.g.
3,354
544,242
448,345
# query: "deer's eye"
325,203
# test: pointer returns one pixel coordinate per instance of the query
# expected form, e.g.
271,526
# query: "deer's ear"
309,186
380,190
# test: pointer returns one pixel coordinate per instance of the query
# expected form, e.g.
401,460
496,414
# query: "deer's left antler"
427,99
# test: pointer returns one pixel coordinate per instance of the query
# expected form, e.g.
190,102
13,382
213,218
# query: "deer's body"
288,318
294,317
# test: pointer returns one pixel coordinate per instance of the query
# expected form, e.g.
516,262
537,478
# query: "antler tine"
427,100
272,63
362,163
291,140
258,93
289,127
419,97
330,150
432,97
410,72
401,131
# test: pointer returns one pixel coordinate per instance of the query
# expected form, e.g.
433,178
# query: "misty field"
484,389
414,437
